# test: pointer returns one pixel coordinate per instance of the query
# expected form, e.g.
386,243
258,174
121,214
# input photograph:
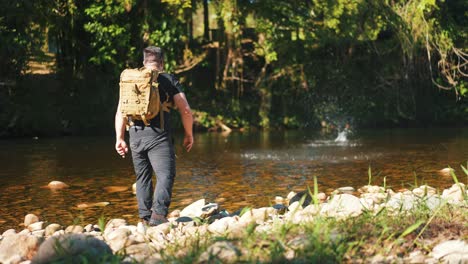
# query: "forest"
244,64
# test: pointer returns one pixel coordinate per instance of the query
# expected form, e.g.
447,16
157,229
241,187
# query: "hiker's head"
153,57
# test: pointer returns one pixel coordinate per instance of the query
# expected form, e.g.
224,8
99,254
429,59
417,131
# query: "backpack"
139,95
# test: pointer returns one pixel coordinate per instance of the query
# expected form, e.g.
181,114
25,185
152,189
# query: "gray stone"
18,247
68,247
30,219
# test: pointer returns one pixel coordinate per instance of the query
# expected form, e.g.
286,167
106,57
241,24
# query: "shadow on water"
241,169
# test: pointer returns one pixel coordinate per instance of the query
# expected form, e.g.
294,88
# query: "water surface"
241,169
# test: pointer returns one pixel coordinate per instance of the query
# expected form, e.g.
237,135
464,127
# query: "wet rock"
18,247
57,185
66,248
221,251
76,229
184,219
114,189
452,251
280,208
30,219
194,209
342,205
134,188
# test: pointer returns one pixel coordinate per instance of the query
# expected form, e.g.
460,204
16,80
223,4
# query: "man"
151,145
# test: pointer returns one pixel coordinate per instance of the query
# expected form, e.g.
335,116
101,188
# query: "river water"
235,170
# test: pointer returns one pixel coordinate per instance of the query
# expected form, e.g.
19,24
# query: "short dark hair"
153,55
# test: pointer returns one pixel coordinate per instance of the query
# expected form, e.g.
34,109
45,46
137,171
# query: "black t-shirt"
169,86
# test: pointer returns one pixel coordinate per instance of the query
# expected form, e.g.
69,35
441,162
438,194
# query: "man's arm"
120,144
187,119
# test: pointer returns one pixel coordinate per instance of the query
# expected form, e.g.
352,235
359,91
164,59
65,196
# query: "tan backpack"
139,95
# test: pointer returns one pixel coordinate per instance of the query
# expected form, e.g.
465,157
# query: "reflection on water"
241,169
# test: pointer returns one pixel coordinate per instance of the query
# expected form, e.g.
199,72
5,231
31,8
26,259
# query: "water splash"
342,136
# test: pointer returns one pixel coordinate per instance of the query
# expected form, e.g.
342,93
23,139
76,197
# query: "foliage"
267,63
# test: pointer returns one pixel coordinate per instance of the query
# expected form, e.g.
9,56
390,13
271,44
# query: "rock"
347,189
88,228
376,198
117,239
30,219
401,202
134,188
258,216
455,194
18,247
371,189
39,233
279,200
9,232
194,209
290,196
209,210
114,224
139,252
223,225
114,189
294,207
57,185
88,205
322,197
66,248
221,251
446,171
301,196
184,219
25,232
433,202
424,190
452,251
157,233
280,208
35,226
342,205
174,214
59,233
141,229
415,257
76,229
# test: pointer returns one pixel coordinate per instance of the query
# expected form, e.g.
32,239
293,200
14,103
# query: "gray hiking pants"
152,149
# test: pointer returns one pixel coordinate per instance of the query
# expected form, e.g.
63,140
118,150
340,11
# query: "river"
235,170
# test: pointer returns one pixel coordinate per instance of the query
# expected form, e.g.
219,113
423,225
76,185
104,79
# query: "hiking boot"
157,219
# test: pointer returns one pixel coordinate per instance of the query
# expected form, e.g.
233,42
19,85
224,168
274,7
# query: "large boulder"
15,248
69,247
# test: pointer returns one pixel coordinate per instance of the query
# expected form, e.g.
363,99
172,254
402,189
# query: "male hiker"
150,140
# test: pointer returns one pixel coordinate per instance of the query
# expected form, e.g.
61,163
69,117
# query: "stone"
223,225
59,232
30,219
68,247
258,216
424,190
221,251
194,209
209,210
290,195
342,205
76,229
117,239
184,219
371,189
18,247
25,232
36,226
134,188
303,197
279,200
294,207
347,189
9,232
280,208
141,228
57,185
174,214
451,251
455,193
322,197
114,224
401,202
157,233
88,228
446,171
415,257
38,233
433,202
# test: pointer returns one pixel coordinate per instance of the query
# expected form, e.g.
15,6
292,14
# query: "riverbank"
369,225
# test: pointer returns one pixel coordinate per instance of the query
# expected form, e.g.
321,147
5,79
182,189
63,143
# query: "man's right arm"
120,144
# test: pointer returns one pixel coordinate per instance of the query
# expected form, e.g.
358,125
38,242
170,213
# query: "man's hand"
121,147
188,142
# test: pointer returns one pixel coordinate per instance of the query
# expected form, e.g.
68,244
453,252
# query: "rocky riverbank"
370,225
